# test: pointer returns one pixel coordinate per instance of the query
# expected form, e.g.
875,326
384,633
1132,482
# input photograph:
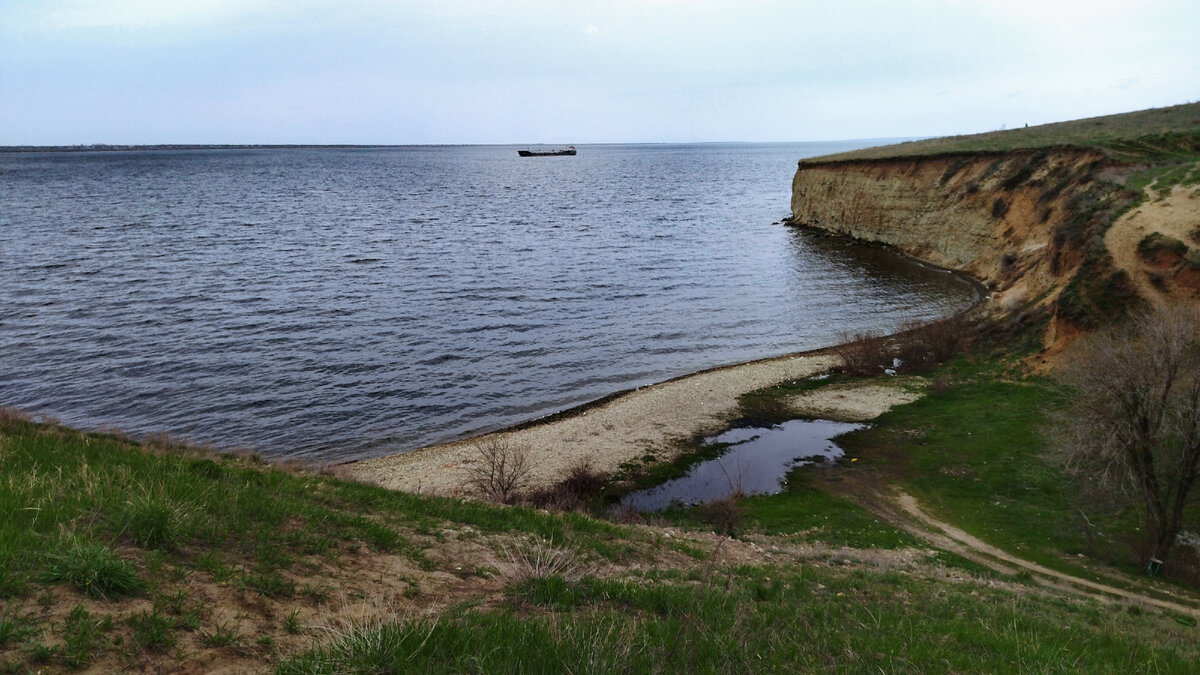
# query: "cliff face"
1021,222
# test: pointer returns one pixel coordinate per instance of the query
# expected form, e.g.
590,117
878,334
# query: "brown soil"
1174,215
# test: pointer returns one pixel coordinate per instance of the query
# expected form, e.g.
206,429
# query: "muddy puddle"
757,462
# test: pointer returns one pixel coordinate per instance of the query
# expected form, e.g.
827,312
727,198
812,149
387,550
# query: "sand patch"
648,420
856,402
1174,215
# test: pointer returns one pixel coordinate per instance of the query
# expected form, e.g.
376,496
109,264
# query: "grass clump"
151,523
83,634
93,569
153,631
1156,246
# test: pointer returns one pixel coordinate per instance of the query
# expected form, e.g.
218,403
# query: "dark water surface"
344,303
757,462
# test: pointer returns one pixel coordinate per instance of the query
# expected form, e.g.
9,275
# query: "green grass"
153,631
766,619
800,512
1151,135
1162,178
1156,243
92,569
105,490
111,518
83,635
814,515
978,456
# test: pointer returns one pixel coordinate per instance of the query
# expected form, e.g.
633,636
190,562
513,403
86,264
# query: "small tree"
1134,421
500,469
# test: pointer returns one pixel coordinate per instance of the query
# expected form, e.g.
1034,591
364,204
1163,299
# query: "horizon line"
111,147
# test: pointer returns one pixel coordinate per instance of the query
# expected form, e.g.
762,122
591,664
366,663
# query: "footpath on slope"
947,537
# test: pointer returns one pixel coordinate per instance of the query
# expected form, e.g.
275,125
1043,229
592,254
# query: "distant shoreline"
125,147
101,147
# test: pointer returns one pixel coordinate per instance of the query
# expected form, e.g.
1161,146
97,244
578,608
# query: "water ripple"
338,304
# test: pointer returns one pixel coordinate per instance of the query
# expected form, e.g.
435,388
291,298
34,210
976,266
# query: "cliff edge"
1028,222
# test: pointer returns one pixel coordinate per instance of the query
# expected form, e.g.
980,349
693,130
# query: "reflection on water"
757,462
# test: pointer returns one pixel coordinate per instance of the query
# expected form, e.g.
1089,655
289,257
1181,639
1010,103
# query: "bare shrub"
500,469
724,514
627,515
579,483
1133,426
926,344
10,415
863,353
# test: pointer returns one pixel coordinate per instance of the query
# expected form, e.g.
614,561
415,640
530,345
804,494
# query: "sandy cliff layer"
1017,221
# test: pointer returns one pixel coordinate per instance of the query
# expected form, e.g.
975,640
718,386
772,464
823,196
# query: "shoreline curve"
620,427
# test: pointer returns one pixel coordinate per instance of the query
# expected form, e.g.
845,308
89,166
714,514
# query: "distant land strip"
103,147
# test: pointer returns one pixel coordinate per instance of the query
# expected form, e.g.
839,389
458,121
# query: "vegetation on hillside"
125,557
1147,135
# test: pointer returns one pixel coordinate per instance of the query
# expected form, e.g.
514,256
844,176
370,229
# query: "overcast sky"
577,71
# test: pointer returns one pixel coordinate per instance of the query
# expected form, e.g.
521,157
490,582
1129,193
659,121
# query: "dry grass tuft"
541,559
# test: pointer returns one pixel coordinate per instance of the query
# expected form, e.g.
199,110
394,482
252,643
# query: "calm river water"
342,303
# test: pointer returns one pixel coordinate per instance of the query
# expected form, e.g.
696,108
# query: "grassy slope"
166,550
1136,136
236,525
763,619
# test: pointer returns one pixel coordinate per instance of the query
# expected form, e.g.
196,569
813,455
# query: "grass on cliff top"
1146,135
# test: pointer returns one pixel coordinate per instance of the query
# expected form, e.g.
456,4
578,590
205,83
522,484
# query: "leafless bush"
1134,423
926,344
500,469
724,514
918,345
9,415
627,515
863,353
580,482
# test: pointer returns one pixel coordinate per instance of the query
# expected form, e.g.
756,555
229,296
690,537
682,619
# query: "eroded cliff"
1024,223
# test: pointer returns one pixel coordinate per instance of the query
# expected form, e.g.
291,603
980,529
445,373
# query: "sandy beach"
646,420
628,426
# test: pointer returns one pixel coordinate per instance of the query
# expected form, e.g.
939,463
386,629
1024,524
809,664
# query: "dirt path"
950,538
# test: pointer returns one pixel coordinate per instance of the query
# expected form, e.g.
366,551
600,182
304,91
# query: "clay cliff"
1025,223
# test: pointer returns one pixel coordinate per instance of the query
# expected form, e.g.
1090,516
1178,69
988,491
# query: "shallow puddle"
757,463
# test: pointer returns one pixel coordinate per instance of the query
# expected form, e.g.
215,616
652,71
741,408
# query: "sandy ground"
648,420
1174,215
857,402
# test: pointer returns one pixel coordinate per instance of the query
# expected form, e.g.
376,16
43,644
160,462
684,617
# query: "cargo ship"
568,151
